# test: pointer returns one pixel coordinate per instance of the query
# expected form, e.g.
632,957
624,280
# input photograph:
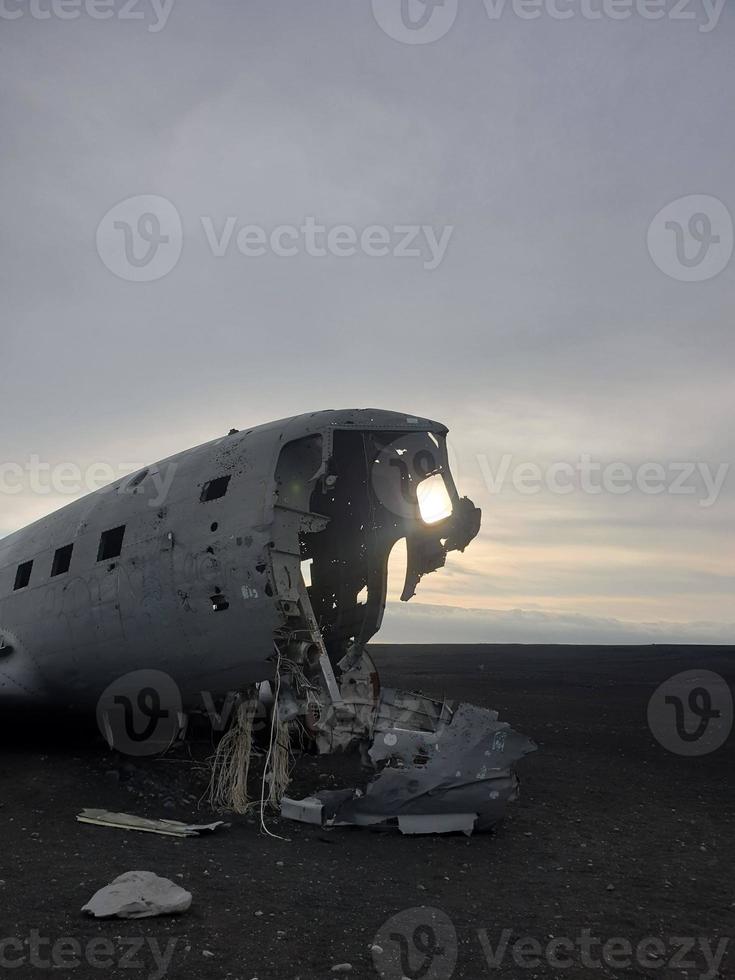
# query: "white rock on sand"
138,895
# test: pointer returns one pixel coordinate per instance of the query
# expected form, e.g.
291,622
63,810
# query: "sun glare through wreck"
434,502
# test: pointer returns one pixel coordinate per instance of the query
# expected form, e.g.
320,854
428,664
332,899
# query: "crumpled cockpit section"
369,489
439,767
343,499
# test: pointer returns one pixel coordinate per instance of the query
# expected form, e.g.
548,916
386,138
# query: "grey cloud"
547,146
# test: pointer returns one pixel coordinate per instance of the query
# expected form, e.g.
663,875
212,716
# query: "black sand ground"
612,834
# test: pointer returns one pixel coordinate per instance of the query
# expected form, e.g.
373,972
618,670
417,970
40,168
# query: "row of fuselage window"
110,547
111,541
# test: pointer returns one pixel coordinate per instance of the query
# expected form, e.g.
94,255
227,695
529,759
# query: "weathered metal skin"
202,589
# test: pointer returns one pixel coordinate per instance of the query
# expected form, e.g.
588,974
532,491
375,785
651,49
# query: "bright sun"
434,501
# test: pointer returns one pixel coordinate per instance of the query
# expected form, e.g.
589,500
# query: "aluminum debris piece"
451,772
138,895
308,810
437,823
126,821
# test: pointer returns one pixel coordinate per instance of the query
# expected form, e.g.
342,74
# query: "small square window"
62,560
23,575
111,543
215,489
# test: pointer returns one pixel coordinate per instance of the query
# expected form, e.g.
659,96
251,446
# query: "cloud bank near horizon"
439,625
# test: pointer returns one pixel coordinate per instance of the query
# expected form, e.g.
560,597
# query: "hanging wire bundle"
228,786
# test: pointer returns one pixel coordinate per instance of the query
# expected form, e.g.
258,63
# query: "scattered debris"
308,810
450,771
330,496
138,895
125,821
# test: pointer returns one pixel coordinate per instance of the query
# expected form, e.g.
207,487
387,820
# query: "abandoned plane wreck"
255,567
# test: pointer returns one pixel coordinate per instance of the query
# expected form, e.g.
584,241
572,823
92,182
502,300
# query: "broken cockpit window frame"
348,499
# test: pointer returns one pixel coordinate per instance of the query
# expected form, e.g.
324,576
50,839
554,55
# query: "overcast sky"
523,158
